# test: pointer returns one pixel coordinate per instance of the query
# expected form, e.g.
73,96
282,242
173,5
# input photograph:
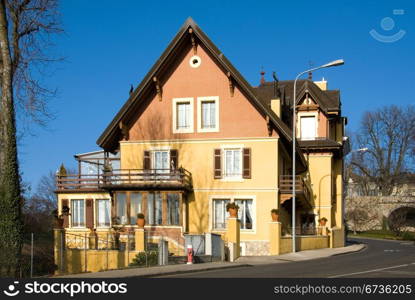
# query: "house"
194,136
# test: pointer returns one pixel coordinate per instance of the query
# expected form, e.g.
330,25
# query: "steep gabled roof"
110,137
328,100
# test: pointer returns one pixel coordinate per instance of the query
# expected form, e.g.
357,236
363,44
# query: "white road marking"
370,271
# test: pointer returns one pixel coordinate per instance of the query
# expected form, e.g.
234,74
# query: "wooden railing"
133,177
286,185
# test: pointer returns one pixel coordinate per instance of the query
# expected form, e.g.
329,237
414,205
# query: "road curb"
187,271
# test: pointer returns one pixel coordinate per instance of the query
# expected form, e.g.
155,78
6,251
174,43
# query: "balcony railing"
286,184
125,178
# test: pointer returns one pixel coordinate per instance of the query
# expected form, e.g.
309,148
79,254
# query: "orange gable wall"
238,117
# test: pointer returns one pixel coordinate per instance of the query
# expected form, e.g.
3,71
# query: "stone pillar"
92,240
275,237
140,241
59,245
234,238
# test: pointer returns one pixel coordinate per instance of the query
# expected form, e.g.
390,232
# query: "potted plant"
58,219
232,208
274,214
141,221
322,221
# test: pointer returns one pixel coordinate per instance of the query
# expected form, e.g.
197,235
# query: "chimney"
322,84
262,81
276,101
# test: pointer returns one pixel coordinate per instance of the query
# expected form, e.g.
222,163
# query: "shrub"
408,236
147,258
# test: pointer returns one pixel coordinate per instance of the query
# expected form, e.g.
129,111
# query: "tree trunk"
11,229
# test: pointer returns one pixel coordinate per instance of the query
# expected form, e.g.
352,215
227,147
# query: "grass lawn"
384,234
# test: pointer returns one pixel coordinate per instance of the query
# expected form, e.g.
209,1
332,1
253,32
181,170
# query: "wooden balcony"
132,179
302,191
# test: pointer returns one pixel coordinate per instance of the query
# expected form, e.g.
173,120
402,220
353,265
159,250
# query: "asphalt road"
381,258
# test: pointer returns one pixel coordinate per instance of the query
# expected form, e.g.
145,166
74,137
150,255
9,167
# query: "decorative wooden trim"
181,216
269,125
231,85
164,208
158,88
128,203
124,131
192,39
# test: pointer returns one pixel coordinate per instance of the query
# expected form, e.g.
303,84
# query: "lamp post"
328,65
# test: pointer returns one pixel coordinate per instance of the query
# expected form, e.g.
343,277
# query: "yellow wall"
197,157
320,171
96,260
304,243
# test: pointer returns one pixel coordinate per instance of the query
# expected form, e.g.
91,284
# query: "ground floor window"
136,200
121,209
219,213
103,213
173,209
78,212
159,208
154,208
245,213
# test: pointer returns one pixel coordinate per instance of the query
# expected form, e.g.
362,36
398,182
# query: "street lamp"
334,63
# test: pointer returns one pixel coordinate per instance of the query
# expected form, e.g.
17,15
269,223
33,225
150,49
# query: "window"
78,213
219,213
208,114
308,127
233,163
103,213
173,209
161,161
121,208
155,209
245,213
182,115
135,206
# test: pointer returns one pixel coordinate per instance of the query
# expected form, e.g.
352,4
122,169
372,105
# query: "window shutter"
147,160
65,218
89,213
174,157
217,163
246,163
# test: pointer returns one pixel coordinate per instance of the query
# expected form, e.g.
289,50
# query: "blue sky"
109,45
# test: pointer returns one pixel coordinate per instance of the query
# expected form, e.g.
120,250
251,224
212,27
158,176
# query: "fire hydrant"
189,254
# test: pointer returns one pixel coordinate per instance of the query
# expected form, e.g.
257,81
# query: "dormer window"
308,127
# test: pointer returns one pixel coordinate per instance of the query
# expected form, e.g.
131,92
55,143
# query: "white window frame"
200,100
96,216
174,110
232,198
307,114
232,177
72,213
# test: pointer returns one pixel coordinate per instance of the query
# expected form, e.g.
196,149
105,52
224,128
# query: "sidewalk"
300,256
245,261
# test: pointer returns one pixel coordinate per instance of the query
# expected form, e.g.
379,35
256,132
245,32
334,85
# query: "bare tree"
389,135
25,26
